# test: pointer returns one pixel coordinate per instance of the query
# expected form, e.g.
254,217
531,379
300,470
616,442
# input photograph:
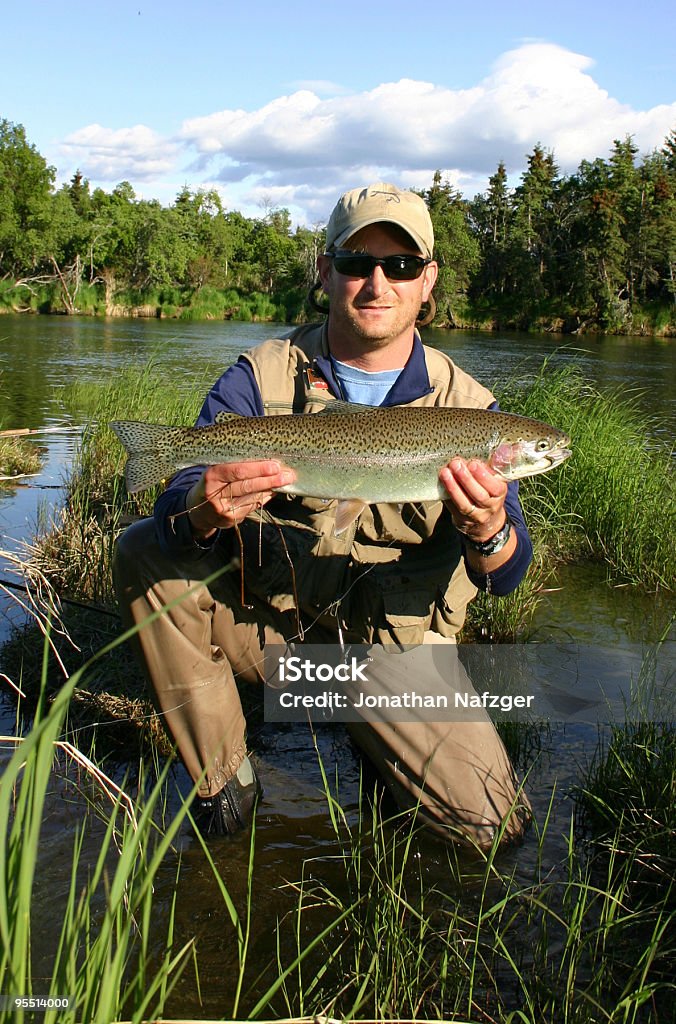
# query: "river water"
40,356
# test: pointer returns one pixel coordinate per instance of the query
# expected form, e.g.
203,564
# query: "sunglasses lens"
403,268
355,265
395,268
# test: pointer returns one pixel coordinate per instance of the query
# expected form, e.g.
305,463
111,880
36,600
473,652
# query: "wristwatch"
493,544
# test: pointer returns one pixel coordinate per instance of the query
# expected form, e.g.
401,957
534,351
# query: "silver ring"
470,510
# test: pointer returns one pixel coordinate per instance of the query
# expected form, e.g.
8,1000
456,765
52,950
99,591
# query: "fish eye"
542,445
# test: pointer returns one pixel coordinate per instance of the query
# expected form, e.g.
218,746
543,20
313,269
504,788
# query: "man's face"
373,311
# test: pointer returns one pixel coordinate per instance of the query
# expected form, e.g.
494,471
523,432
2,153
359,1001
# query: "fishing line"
334,607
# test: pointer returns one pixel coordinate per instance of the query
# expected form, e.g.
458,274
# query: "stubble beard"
372,335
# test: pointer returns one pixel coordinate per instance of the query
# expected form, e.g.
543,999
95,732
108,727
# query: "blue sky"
288,104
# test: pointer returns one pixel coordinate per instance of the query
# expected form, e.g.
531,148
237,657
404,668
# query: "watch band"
493,544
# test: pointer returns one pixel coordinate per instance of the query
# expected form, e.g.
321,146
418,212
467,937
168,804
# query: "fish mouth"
548,460
558,455
552,459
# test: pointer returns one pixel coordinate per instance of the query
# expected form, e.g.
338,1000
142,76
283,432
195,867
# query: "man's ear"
324,266
431,272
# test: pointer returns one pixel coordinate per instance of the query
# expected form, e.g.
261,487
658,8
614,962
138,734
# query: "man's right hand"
228,492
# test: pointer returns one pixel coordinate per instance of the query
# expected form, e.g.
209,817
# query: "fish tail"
150,450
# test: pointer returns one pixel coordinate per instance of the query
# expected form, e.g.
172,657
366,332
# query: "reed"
18,457
100,961
486,944
625,799
75,548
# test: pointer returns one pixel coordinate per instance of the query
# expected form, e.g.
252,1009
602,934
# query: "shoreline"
554,325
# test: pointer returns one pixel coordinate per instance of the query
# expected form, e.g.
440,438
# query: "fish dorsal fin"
346,513
226,417
340,408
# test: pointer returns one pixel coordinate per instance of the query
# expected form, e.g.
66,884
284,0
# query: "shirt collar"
413,382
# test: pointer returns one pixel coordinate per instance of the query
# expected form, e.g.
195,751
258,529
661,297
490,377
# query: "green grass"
368,934
629,785
613,501
18,458
630,789
99,960
615,498
75,550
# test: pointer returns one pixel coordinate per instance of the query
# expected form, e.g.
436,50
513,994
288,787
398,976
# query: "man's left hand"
476,498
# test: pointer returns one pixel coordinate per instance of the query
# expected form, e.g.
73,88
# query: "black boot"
232,808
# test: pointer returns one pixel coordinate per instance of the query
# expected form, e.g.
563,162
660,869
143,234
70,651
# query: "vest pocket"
291,564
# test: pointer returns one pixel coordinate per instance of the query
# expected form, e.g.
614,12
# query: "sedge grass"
75,548
481,942
99,962
615,497
104,963
371,933
17,458
626,800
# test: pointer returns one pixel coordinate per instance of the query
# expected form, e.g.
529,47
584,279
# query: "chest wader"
396,578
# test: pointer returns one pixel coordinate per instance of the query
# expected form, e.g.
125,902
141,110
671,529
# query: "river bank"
211,304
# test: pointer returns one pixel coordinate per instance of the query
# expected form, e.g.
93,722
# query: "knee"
131,552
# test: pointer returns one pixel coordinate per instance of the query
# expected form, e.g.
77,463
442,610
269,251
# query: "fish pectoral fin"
346,513
339,408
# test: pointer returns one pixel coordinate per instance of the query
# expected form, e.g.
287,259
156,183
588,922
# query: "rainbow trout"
358,454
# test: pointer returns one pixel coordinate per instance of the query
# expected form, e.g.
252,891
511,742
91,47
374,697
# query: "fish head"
533,448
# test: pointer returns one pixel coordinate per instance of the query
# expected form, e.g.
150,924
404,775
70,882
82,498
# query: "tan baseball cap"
378,203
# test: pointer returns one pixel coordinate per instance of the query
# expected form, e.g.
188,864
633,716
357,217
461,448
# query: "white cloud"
134,154
302,150
320,86
538,92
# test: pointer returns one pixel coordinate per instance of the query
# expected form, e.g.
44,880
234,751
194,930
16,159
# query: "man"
394,576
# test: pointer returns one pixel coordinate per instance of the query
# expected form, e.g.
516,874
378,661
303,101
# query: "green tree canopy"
595,247
25,201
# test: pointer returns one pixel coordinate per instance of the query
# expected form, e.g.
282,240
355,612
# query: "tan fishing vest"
395,573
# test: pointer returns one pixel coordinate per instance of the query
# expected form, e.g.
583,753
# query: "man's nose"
377,282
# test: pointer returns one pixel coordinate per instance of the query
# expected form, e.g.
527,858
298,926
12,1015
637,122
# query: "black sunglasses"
362,264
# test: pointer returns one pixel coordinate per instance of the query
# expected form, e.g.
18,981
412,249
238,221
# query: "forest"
591,251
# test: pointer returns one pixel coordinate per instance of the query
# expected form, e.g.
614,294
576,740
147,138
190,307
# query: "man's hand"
476,498
226,493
